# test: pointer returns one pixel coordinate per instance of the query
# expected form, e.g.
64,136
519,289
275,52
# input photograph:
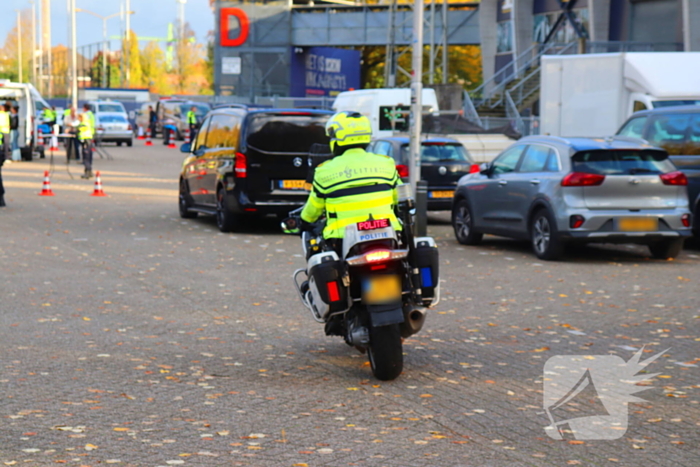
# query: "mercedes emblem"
442,170
297,162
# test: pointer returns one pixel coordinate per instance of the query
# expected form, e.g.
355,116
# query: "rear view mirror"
485,169
186,148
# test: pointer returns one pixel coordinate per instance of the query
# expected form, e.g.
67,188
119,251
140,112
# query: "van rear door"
277,150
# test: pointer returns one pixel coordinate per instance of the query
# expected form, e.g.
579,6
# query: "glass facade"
543,24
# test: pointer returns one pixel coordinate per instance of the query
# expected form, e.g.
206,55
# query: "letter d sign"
243,21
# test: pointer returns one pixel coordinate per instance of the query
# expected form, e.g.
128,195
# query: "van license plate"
442,194
381,289
638,224
292,184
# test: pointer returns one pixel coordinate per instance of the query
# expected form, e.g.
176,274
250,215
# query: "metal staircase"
516,86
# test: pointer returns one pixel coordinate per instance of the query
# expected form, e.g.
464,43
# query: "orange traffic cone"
40,138
46,188
148,138
98,186
187,136
171,140
140,133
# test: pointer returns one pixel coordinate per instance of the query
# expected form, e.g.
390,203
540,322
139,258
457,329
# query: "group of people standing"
9,138
81,127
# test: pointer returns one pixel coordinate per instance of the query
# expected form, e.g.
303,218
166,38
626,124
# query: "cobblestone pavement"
131,337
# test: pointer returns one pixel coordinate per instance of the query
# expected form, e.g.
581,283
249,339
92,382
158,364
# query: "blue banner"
324,71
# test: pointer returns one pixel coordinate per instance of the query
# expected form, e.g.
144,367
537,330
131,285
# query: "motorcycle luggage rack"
304,300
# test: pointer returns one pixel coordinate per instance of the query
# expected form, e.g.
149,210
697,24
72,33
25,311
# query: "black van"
677,130
249,162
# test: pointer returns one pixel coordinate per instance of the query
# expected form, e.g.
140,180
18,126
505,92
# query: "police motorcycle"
374,292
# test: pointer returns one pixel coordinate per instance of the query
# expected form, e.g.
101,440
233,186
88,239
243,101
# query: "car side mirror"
186,148
485,169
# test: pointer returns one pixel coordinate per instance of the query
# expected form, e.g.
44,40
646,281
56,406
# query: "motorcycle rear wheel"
385,352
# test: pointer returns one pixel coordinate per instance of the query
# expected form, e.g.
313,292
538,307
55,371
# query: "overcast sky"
150,18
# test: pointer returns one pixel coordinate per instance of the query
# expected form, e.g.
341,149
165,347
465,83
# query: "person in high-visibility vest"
355,184
5,130
192,122
85,135
50,117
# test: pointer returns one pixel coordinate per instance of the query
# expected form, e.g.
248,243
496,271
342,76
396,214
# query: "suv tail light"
240,168
402,170
582,179
685,219
674,178
128,127
576,221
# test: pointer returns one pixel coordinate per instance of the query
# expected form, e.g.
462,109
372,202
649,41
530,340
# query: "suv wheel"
463,224
666,249
225,219
546,242
184,202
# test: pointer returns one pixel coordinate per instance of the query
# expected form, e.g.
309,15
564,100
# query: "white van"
31,105
387,109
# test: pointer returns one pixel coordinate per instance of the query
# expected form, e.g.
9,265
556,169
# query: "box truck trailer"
593,94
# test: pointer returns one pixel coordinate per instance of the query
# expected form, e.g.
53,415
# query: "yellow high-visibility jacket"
349,188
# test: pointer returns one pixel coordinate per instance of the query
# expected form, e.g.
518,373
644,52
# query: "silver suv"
554,190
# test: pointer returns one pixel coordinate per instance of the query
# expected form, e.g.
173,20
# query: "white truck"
31,105
593,94
387,109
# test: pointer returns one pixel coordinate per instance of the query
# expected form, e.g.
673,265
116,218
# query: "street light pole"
33,78
19,45
73,58
104,40
416,94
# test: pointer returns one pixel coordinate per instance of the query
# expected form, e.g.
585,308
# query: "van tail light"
474,169
241,166
128,127
582,179
685,219
402,170
99,128
333,292
674,178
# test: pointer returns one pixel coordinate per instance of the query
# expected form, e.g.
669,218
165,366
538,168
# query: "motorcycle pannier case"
326,283
428,264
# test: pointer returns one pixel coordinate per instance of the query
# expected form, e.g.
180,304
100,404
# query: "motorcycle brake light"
333,292
378,255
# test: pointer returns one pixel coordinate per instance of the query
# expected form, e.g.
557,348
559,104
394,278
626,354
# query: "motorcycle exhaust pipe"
413,321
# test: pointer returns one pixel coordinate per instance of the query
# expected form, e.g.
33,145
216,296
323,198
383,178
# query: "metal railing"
600,47
493,96
277,102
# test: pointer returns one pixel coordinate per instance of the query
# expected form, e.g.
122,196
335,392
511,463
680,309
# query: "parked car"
677,130
113,128
175,111
106,106
443,162
554,190
249,162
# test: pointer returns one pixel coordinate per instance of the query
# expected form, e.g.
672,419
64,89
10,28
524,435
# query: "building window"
505,37
545,22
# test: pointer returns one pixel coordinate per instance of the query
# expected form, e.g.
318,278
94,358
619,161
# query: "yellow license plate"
638,224
442,194
292,184
381,289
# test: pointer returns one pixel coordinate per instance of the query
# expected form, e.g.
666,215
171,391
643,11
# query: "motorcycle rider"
355,185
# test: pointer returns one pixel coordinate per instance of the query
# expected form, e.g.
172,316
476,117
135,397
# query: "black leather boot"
2,201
